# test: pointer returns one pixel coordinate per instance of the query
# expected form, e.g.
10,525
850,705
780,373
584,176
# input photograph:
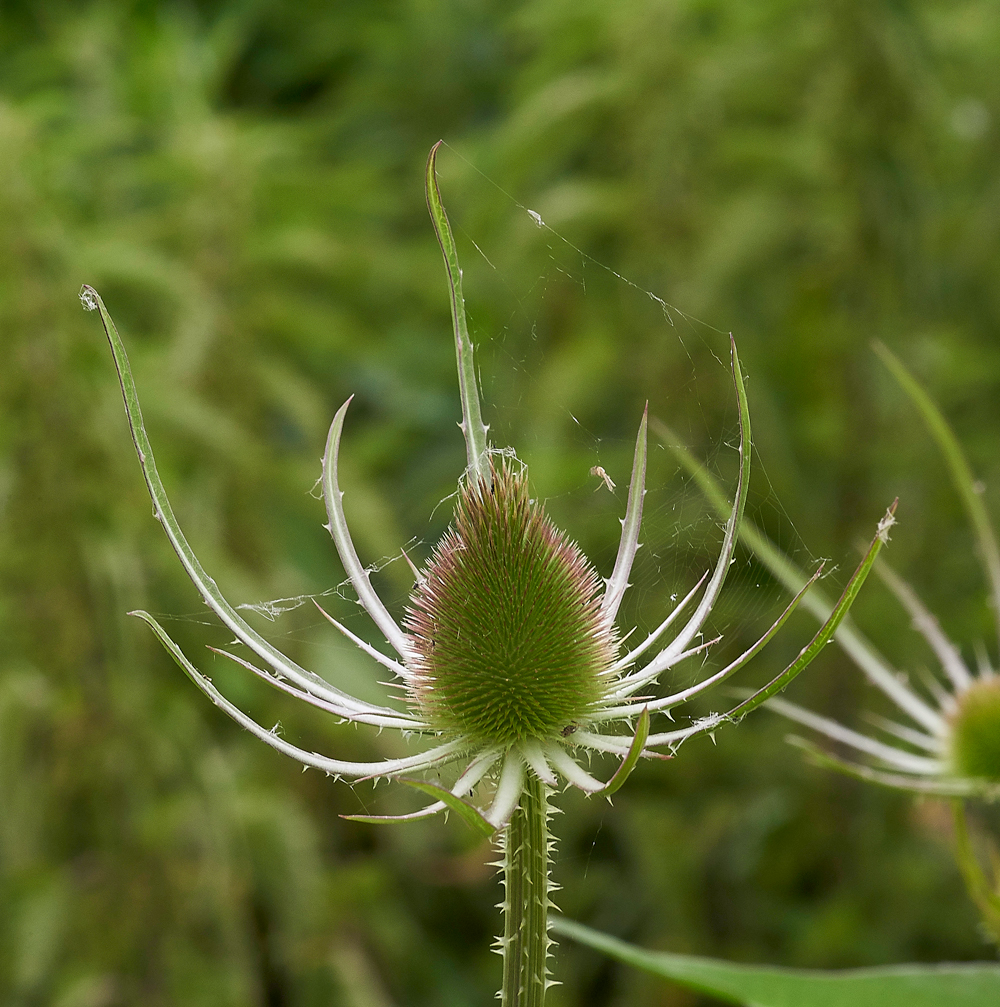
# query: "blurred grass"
243,185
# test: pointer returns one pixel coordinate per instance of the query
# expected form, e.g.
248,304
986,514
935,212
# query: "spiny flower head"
974,725
508,654
509,643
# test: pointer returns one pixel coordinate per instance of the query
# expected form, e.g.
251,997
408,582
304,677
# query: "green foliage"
473,429
759,986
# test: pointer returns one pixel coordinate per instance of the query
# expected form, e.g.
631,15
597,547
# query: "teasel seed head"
975,732
509,643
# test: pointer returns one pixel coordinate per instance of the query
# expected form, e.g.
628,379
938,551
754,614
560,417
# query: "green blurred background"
242,181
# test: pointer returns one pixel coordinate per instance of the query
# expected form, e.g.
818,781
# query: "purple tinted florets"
508,638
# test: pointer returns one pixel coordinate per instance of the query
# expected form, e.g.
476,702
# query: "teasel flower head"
508,655
947,742
508,638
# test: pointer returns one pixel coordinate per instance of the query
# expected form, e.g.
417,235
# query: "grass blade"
631,760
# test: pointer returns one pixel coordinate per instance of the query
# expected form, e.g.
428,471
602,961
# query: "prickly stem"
985,895
526,941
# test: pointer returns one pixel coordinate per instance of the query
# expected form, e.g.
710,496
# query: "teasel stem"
526,939
983,893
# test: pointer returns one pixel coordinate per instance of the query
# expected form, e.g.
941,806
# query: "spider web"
681,534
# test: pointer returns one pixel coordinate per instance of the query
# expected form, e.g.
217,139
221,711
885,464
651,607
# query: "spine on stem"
525,943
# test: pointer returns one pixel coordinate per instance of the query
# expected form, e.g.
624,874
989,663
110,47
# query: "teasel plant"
508,656
946,743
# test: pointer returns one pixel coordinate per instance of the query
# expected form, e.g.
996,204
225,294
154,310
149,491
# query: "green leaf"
630,761
470,815
975,984
432,809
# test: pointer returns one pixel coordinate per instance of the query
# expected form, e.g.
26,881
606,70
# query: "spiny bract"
506,622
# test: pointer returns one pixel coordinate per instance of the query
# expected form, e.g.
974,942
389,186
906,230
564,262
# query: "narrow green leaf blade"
470,815
734,518
630,761
413,816
956,985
